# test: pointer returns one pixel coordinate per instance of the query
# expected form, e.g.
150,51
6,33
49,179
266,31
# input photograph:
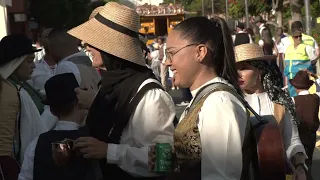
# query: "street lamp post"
247,13
212,7
202,3
308,23
227,10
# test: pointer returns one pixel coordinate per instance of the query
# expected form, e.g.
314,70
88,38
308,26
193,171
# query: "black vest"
241,38
307,107
44,166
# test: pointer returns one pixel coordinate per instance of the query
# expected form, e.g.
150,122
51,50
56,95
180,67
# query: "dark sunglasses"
300,36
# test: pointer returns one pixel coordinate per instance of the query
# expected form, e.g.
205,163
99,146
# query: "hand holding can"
160,158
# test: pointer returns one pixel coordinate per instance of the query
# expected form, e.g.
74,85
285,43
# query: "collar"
66,125
217,79
241,32
76,54
304,92
261,25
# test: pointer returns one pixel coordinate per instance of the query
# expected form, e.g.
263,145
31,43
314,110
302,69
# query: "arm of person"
26,172
311,53
152,123
316,47
294,149
222,123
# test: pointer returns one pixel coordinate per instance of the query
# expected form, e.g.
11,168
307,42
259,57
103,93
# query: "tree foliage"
59,13
255,7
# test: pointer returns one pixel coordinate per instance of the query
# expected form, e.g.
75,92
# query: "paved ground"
177,97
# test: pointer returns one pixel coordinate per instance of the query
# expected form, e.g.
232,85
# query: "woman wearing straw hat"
121,130
261,85
17,109
208,139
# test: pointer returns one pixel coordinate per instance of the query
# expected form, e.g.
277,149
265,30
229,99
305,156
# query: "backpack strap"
218,86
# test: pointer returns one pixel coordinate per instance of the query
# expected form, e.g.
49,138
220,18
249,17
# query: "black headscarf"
119,84
271,83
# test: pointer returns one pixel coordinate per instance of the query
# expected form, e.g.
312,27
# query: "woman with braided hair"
262,87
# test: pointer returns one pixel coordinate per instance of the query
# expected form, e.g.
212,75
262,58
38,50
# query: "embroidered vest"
187,143
9,110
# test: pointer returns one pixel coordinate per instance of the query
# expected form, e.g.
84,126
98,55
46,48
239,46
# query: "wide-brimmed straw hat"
301,80
250,52
115,30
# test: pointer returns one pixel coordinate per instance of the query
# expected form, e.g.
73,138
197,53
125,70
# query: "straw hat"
95,12
115,30
246,52
98,9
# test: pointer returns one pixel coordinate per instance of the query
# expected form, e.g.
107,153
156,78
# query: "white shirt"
154,55
222,123
26,172
40,75
151,123
234,37
164,52
262,105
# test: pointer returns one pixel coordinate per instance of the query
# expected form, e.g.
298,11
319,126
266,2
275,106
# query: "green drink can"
163,157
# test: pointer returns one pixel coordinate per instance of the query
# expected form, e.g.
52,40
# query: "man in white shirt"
45,67
162,59
64,50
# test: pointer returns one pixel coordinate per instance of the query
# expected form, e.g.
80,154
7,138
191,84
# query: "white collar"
66,125
304,92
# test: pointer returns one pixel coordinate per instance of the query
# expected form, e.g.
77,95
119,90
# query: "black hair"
112,62
296,25
216,35
63,109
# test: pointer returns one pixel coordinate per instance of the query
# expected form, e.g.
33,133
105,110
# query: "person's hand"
152,157
85,97
311,74
91,148
299,174
314,62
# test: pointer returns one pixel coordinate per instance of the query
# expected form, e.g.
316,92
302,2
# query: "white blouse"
222,123
262,105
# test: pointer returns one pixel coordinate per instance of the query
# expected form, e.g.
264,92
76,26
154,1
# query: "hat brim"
109,40
262,58
305,85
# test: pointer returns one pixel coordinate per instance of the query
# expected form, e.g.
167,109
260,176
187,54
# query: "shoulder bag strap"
218,86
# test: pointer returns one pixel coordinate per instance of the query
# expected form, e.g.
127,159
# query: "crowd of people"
93,101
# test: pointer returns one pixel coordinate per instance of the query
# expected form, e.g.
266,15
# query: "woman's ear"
202,51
